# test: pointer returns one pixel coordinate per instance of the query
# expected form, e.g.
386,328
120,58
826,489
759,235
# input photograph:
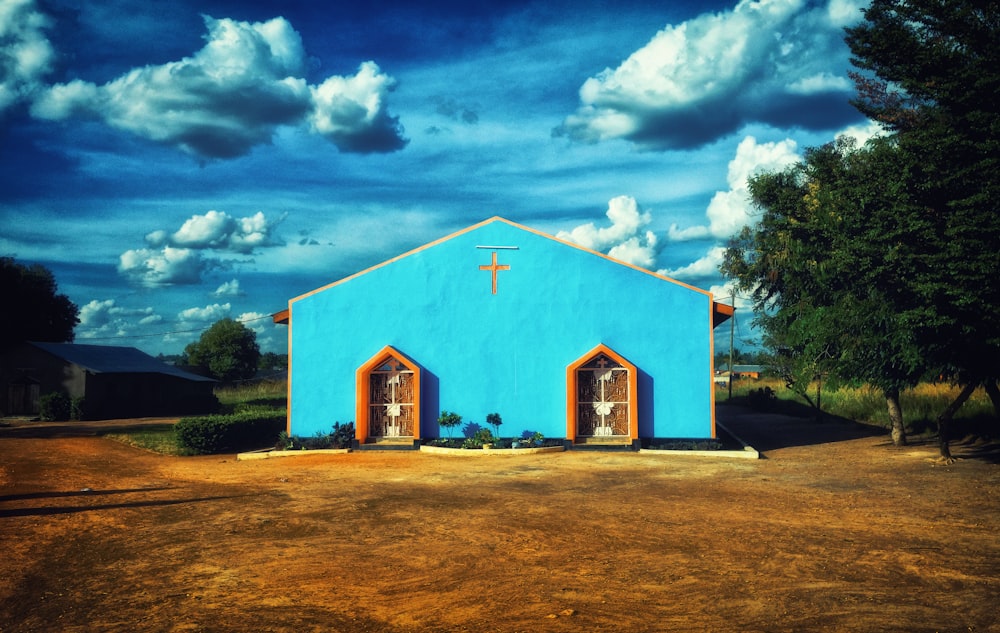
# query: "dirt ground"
835,530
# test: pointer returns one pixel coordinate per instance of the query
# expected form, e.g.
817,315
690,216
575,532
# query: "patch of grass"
159,438
921,405
271,393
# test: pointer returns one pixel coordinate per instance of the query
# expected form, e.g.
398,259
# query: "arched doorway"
388,398
601,399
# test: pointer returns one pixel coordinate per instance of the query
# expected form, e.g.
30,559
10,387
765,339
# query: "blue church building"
498,317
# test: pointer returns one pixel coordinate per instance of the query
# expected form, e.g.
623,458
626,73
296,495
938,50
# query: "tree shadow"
768,430
48,511
75,493
47,430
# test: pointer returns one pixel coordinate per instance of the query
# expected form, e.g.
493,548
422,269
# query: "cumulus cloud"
165,267
864,132
729,211
625,239
233,94
103,318
178,257
256,321
350,112
212,313
229,289
770,61
26,56
706,266
220,231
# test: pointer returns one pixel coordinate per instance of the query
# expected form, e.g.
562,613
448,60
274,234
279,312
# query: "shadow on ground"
767,431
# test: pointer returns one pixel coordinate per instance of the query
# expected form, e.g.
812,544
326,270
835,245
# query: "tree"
929,70
228,350
270,361
449,421
33,308
828,267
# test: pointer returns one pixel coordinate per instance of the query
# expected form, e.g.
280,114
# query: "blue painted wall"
506,352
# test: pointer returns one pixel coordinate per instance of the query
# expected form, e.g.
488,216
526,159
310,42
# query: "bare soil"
835,530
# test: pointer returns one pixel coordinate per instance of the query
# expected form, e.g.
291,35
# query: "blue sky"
178,162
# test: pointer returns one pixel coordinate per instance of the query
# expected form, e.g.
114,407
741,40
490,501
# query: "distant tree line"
879,264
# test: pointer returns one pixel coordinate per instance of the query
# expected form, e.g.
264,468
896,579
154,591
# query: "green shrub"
77,409
252,427
480,437
54,407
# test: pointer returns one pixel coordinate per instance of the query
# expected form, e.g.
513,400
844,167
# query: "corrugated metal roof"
110,359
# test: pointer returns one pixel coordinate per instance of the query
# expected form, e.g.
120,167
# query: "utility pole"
732,331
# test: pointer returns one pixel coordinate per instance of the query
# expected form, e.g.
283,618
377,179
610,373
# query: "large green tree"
827,267
34,310
228,350
929,70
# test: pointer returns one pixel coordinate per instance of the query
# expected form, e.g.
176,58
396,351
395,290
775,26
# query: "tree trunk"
819,399
895,417
944,420
994,394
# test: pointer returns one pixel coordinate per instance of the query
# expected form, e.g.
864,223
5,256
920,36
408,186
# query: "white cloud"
212,312
864,132
176,258
769,61
845,12
26,56
164,267
229,289
350,111
105,318
639,250
818,83
624,239
729,211
233,94
256,321
96,313
220,231
706,266
626,220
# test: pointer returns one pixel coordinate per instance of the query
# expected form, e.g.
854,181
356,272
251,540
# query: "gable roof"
110,359
720,312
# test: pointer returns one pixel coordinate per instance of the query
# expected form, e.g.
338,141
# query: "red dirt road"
835,531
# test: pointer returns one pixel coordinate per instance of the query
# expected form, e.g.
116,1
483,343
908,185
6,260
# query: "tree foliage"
228,350
33,308
930,72
879,264
827,267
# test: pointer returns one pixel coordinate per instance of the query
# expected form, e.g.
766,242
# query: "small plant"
536,439
449,420
284,442
478,439
343,435
494,420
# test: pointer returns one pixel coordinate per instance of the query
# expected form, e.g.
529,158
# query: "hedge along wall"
249,429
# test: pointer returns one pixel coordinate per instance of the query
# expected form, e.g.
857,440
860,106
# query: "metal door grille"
390,400
602,403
